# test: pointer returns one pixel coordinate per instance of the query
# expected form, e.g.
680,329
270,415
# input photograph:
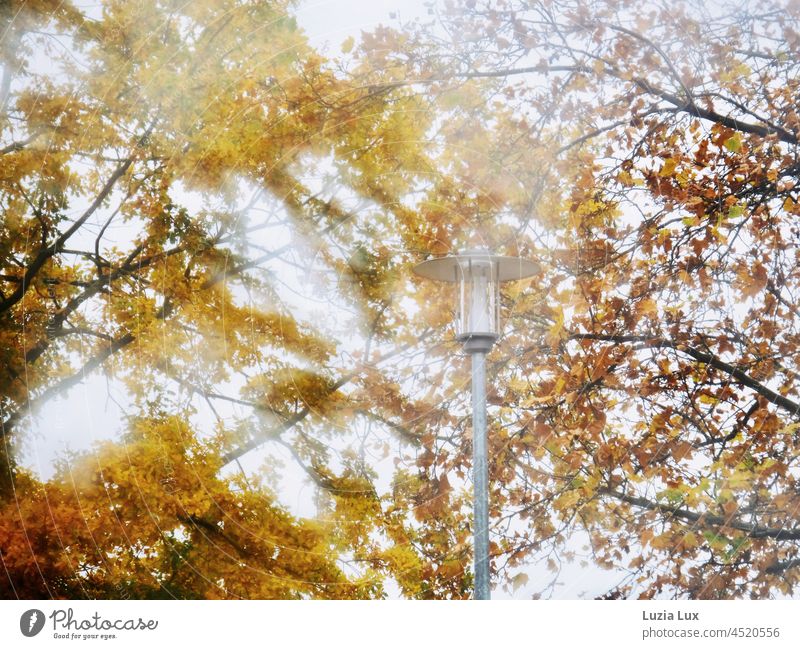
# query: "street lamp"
477,274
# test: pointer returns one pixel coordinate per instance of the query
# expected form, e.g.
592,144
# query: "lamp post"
477,274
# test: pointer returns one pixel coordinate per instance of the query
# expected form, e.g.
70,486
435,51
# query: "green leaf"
735,211
716,541
734,143
736,545
673,496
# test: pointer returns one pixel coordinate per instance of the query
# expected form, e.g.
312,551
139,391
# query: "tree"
158,164
649,384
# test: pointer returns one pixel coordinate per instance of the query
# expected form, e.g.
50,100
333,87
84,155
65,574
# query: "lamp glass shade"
477,275
478,298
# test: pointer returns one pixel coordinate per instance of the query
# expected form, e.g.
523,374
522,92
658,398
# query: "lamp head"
478,274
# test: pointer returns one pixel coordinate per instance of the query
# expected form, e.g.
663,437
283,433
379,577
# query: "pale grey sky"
332,21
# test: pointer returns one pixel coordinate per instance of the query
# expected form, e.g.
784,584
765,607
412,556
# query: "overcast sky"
332,21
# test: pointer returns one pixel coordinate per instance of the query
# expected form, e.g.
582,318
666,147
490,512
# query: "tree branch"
273,433
46,252
742,377
687,106
753,531
65,384
214,530
782,566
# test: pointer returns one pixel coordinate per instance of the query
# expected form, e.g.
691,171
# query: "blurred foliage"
216,216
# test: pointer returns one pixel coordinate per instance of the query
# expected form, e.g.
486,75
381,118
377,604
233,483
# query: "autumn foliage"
221,221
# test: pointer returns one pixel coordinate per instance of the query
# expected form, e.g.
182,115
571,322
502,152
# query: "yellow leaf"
789,429
556,331
662,541
647,306
518,386
668,168
567,500
690,540
519,581
740,479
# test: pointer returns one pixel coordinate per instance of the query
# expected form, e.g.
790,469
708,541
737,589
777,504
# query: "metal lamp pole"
480,475
478,274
